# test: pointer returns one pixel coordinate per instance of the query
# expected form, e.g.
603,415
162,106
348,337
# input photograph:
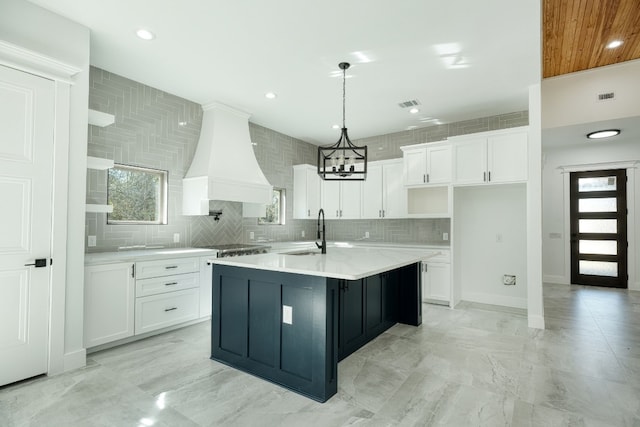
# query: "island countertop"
350,263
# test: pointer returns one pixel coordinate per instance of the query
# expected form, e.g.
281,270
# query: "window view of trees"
275,211
138,195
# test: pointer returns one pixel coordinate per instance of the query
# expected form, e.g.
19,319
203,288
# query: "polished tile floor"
472,366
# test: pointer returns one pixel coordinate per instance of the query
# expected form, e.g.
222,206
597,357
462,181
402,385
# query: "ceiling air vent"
407,104
608,96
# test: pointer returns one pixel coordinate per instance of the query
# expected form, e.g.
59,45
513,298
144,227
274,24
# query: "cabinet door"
415,166
352,332
300,193
206,277
109,294
331,199
372,189
313,192
507,158
373,312
439,164
394,192
470,161
436,282
351,199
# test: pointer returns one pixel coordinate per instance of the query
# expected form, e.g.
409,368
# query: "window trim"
282,210
163,209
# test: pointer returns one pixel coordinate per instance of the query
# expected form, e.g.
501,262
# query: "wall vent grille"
606,96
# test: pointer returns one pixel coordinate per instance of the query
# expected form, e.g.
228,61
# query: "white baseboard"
495,299
536,322
75,360
551,278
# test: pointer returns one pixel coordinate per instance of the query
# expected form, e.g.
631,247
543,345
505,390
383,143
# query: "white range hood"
224,166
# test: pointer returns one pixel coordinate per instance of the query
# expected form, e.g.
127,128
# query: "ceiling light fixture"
343,160
270,95
335,127
614,44
603,134
414,111
145,34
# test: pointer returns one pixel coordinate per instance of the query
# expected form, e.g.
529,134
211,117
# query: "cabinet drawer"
163,267
160,285
162,310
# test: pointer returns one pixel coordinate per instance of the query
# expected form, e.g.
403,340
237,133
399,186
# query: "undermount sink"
302,253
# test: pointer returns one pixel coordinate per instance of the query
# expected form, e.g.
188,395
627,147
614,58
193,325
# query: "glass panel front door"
599,228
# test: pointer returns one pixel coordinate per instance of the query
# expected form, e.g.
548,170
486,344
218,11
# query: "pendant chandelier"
342,161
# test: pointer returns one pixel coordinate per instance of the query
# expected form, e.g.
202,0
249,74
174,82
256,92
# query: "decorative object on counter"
216,214
343,160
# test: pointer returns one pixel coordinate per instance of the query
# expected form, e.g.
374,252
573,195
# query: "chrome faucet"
323,245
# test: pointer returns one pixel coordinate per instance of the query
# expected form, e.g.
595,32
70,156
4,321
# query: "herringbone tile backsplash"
147,133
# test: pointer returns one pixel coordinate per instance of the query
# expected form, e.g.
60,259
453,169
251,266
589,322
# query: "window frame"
162,208
281,211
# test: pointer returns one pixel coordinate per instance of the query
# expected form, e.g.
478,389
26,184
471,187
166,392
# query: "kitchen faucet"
323,245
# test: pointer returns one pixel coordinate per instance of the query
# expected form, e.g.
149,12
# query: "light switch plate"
445,236
287,314
252,235
91,241
176,237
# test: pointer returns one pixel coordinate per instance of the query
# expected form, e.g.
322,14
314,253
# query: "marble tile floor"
477,365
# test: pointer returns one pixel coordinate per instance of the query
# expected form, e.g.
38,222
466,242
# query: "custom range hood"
224,166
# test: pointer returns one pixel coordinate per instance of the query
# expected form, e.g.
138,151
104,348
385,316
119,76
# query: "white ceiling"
235,51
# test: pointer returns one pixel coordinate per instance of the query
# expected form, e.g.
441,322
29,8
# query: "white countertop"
349,263
142,254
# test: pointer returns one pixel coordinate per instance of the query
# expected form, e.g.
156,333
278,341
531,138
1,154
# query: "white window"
138,195
276,210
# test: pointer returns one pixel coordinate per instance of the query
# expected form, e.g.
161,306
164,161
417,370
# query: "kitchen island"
289,318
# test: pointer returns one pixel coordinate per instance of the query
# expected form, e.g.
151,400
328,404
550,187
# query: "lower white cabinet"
166,309
206,283
109,295
436,279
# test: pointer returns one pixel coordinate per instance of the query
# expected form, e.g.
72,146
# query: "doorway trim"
630,167
63,75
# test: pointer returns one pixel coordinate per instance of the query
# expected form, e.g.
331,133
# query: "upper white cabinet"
342,199
306,191
383,192
428,163
490,157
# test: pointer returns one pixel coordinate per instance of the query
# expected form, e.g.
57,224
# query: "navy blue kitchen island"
271,320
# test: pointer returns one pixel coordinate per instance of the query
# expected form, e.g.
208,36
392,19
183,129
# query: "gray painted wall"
146,133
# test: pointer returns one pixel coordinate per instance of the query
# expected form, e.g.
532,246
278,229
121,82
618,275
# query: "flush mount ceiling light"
414,111
603,134
342,161
614,44
145,34
270,95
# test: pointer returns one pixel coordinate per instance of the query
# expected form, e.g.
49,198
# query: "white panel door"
395,194
206,286
470,161
439,164
27,107
415,166
372,193
507,158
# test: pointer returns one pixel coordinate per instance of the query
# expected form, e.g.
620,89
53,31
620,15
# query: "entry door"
599,228
26,165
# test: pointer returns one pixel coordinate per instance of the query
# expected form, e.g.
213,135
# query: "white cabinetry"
206,291
109,294
167,293
490,157
98,163
306,191
342,199
436,279
428,163
383,192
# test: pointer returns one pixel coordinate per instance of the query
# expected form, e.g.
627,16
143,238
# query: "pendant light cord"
344,91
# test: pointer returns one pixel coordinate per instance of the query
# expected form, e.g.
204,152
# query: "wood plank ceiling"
576,33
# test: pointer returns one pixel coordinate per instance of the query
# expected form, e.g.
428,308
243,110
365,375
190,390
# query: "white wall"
483,215
571,99
38,30
556,258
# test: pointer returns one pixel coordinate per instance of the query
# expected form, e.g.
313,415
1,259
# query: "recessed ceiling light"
270,95
414,111
145,34
603,134
614,44
336,126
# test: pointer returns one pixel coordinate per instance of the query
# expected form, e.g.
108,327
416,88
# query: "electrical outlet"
176,237
445,236
252,235
91,241
498,238
302,233
509,280
366,234
287,314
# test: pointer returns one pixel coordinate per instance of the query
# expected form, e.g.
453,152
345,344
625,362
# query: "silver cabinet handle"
169,267
171,284
170,309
